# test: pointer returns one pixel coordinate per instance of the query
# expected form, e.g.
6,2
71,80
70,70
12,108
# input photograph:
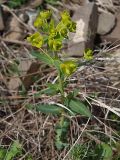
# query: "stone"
86,18
15,30
112,67
32,16
1,20
80,2
27,69
106,23
114,36
31,71
14,83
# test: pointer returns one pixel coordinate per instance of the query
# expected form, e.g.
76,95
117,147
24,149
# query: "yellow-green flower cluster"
88,54
60,32
54,33
55,44
42,18
68,23
36,40
68,67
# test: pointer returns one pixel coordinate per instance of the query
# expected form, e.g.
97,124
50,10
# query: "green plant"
16,3
78,152
52,35
92,152
14,151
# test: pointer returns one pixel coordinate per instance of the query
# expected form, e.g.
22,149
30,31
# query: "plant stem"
61,89
62,120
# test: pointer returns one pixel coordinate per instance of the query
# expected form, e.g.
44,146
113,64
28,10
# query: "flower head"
41,18
45,14
36,40
68,67
64,32
52,33
71,26
55,44
88,54
65,16
38,22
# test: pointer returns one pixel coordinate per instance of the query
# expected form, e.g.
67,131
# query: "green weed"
52,35
14,151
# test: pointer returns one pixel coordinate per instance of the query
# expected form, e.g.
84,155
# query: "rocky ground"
98,28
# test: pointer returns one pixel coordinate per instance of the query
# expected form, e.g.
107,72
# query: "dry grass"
35,131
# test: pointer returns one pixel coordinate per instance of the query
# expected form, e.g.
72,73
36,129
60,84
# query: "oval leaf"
79,107
48,108
43,57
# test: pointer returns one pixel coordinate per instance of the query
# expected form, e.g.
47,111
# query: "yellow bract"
55,44
42,18
38,22
71,26
52,33
45,14
65,15
68,23
68,67
36,40
88,54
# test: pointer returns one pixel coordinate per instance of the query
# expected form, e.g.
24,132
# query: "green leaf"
14,150
52,24
52,89
88,54
79,107
107,152
48,108
47,91
57,64
54,86
75,92
2,153
43,57
60,145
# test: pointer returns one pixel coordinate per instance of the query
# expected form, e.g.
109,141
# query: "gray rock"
114,36
86,18
27,68
80,2
106,23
